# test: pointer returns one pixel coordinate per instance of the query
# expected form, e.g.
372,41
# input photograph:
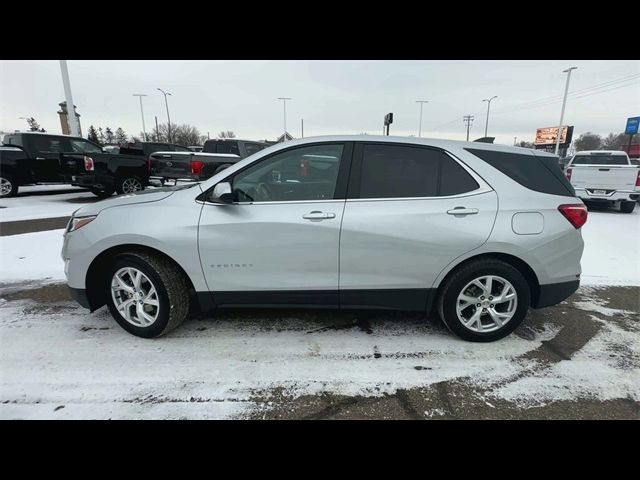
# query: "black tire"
456,282
221,167
8,181
123,184
102,192
627,207
170,284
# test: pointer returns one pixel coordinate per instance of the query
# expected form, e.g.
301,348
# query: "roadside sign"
632,126
388,119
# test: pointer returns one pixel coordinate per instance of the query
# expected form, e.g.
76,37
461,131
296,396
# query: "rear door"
410,211
47,160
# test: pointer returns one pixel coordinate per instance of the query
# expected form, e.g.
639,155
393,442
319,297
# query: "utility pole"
284,102
468,120
157,131
515,141
144,129
168,117
71,111
421,102
486,125
302,126
564,102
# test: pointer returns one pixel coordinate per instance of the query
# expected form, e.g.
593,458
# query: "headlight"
79,222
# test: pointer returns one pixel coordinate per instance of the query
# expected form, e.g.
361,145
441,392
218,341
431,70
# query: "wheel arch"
523,267
98,268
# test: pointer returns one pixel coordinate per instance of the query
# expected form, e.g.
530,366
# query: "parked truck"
173,166
605,176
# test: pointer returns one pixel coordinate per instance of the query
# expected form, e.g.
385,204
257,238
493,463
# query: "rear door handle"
463,211
317,215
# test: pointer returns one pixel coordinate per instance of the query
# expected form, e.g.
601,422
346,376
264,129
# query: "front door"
46,163
278,242
410,211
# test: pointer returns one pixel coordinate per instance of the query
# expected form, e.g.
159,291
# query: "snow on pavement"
42,201
213,368
32,256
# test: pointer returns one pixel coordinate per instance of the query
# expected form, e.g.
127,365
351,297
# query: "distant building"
64,119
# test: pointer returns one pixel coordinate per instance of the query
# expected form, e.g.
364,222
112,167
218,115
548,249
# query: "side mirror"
222,193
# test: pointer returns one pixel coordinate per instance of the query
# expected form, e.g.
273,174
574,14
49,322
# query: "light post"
168,117
421,102
486,125
564,102
284,102
71,111
144,130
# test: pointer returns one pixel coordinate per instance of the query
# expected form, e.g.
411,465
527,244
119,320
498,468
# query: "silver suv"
477,232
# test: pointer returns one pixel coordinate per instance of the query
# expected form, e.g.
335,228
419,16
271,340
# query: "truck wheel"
8,186
221,167
484,300
128,185
146,294
627,207
102,193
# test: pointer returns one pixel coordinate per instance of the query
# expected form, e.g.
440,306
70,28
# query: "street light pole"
421,102
144,129
71,111
166,103
486,124
284,102
564,102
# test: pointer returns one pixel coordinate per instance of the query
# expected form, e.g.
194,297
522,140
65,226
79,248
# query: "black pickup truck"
194,166
43,158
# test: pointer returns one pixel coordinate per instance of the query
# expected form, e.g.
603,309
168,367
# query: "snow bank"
32,256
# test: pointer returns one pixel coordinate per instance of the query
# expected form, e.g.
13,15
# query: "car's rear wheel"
8,186
147,295
130,184
484,300
627,207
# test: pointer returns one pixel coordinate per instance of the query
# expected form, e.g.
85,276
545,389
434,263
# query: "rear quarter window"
541,174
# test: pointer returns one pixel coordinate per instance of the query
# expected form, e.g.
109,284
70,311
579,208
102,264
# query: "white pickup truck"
605,176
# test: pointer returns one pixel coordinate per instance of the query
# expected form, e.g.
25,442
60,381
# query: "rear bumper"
611,196
80,296
554,293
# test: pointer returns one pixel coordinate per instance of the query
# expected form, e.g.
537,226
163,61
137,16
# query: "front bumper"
554,293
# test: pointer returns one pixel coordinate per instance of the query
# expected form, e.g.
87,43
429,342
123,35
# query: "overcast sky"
333,97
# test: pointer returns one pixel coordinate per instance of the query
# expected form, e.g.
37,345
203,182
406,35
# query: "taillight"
638,179
88,164
196,167
576,214
568,173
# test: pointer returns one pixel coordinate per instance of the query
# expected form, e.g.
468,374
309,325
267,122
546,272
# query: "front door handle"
317,215
463,211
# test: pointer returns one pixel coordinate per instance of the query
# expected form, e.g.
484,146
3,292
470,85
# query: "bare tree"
34,126
226,134
615,141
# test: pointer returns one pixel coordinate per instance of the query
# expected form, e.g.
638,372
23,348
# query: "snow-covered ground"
611,254
43,201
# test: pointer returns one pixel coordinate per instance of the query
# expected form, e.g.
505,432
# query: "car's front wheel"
484,300
146,294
